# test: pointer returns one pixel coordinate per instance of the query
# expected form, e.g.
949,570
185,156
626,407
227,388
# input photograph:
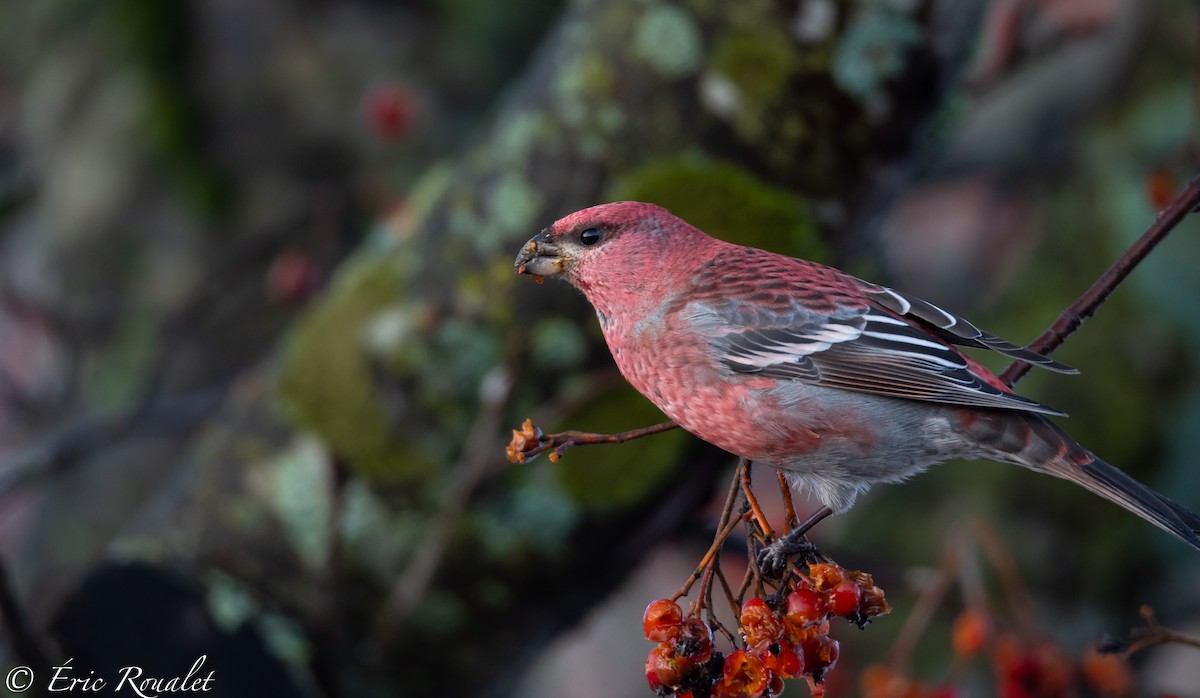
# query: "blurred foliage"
298,435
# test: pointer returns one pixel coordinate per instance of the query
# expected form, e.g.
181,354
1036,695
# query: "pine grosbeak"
839,382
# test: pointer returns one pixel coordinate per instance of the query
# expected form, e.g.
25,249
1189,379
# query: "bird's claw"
773,559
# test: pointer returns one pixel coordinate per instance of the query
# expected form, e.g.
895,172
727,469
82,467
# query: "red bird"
839,382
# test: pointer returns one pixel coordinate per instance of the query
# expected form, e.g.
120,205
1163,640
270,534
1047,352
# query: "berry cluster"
1022,669
786,635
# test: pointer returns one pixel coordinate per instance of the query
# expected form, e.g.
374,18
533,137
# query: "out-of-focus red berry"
744,676
759,623
661,615
1160,188
292,277
1030,672
1108,674
805,605
391,111
971,632
844,598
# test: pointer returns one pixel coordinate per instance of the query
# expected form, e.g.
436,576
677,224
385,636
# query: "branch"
1083,308
1149,636
528,442
25,645
473,466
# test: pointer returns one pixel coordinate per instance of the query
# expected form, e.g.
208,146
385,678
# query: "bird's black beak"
541,257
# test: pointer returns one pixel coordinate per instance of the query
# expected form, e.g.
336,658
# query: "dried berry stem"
1087,304
1155,634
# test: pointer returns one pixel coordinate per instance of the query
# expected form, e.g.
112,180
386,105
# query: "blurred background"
261,343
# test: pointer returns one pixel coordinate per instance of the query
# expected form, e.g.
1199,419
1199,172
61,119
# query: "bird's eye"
590,236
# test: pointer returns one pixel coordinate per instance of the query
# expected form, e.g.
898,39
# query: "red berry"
292,277
664,668
759,623
744,676
391,110
804,605
693,640
819,650
660,617
774,685
844,599
782,659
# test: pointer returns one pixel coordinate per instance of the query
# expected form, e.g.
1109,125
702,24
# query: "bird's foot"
773,559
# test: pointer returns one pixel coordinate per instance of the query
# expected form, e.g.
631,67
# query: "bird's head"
602,244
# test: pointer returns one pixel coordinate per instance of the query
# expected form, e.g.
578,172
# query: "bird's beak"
540,257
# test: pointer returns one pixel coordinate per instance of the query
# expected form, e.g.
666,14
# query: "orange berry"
660,616
971,633
1108,674
825,575
744,676
759,623
664,668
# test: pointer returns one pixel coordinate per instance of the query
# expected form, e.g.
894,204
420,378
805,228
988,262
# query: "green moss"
727,202
602,478
758,65
326,380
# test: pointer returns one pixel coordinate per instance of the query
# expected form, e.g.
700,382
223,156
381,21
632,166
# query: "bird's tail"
1036,443
1114,485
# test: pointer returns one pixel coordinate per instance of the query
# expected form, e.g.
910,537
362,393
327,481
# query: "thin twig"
467,473
998,554
785,489
733,605
708,556
923,610
1071,318
748,492
1155,634
558,443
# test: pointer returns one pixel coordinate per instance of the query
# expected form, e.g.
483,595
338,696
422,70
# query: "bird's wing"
955,329
852,341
